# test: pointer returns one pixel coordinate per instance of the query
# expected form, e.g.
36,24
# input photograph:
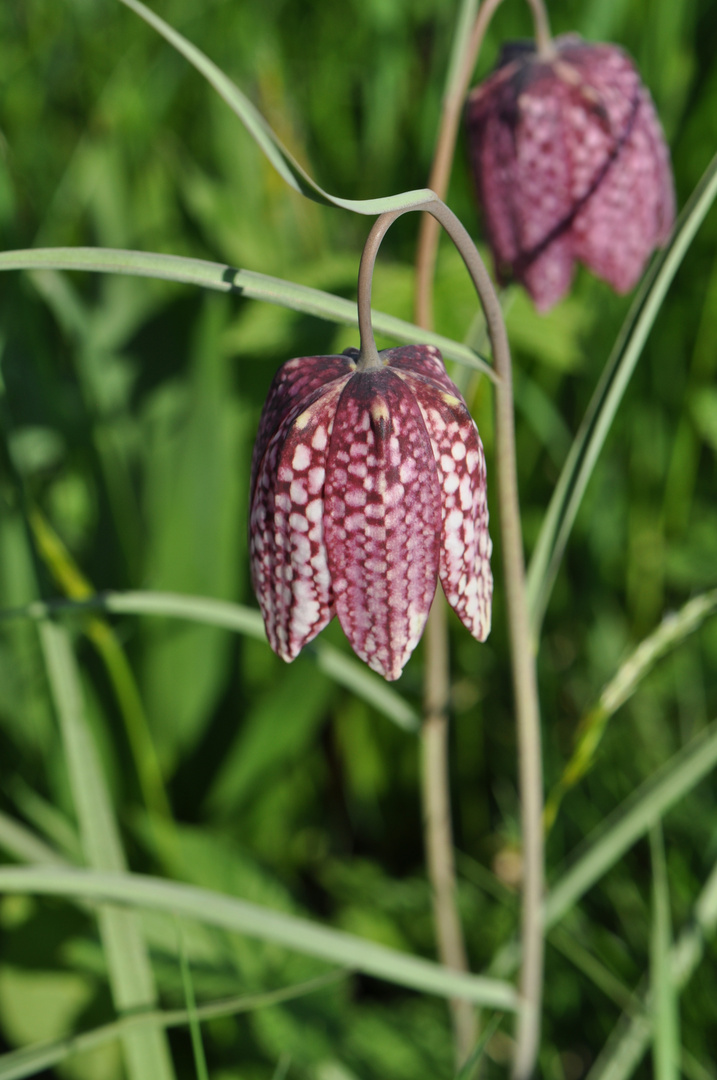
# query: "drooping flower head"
570,164
367,487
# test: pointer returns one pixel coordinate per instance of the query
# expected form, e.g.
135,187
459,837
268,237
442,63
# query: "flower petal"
287,550
466,547
294,383
383,519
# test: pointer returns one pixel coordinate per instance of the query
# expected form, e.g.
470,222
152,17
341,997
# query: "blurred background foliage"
128,411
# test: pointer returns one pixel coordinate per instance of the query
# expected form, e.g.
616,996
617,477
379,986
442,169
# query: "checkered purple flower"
570,164
367,488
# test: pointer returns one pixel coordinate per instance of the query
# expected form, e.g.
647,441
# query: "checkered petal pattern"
368,487
570,164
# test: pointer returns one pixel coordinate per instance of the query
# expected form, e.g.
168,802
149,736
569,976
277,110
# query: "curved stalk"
541,26
522,655
442,161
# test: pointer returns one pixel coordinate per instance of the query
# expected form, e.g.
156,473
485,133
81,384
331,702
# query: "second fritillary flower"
570,164
368,486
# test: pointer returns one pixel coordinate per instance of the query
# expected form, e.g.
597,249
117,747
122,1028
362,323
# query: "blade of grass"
665,998
469,1069
630,1039
672,631
240,916
75,585
240,619
200,1060
285,164
608,394
33,1059
22,843
218,276
130,974
632,820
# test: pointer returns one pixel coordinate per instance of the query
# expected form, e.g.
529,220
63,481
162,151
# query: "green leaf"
609,392
629,1040
284,163
223,278
33,1059
243,620
632,820
240,916
130,973
665,998
671,632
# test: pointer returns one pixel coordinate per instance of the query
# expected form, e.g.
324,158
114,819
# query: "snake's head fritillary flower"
570,164
368,486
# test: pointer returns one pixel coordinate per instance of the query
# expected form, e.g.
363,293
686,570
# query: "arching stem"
440,174
541,25
522,655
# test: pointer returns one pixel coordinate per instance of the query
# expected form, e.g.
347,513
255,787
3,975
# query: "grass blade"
671,632
130,974
21,843
630,1039
632,820
666,1047
284,162
593,431
31,1060
222,278
243,620
200,1060
240,916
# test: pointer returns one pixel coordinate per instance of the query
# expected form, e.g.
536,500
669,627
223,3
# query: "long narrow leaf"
632,820
21,843
343,669
33,1059
666,1047
593,431
671,632
284,162
630,1039
240,916
129,970
223,278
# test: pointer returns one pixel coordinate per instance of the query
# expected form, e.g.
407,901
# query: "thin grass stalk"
525,688
438,831
440,174
130,974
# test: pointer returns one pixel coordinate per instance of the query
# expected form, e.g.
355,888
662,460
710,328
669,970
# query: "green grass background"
128,413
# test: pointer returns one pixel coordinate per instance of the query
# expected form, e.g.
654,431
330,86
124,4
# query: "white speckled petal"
287,550
294,385
464,570
383,519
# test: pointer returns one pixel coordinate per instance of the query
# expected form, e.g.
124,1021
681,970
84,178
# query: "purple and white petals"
286,536
466,546
570,164
383,520
292,387
368,488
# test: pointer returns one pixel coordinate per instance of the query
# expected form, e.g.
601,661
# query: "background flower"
570,164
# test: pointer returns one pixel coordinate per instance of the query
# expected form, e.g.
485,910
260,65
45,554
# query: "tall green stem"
522,655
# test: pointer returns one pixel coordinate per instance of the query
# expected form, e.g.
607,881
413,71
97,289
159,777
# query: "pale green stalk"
130,974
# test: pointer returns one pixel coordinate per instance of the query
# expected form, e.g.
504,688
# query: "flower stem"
522,654
438,832
541,26
439,177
